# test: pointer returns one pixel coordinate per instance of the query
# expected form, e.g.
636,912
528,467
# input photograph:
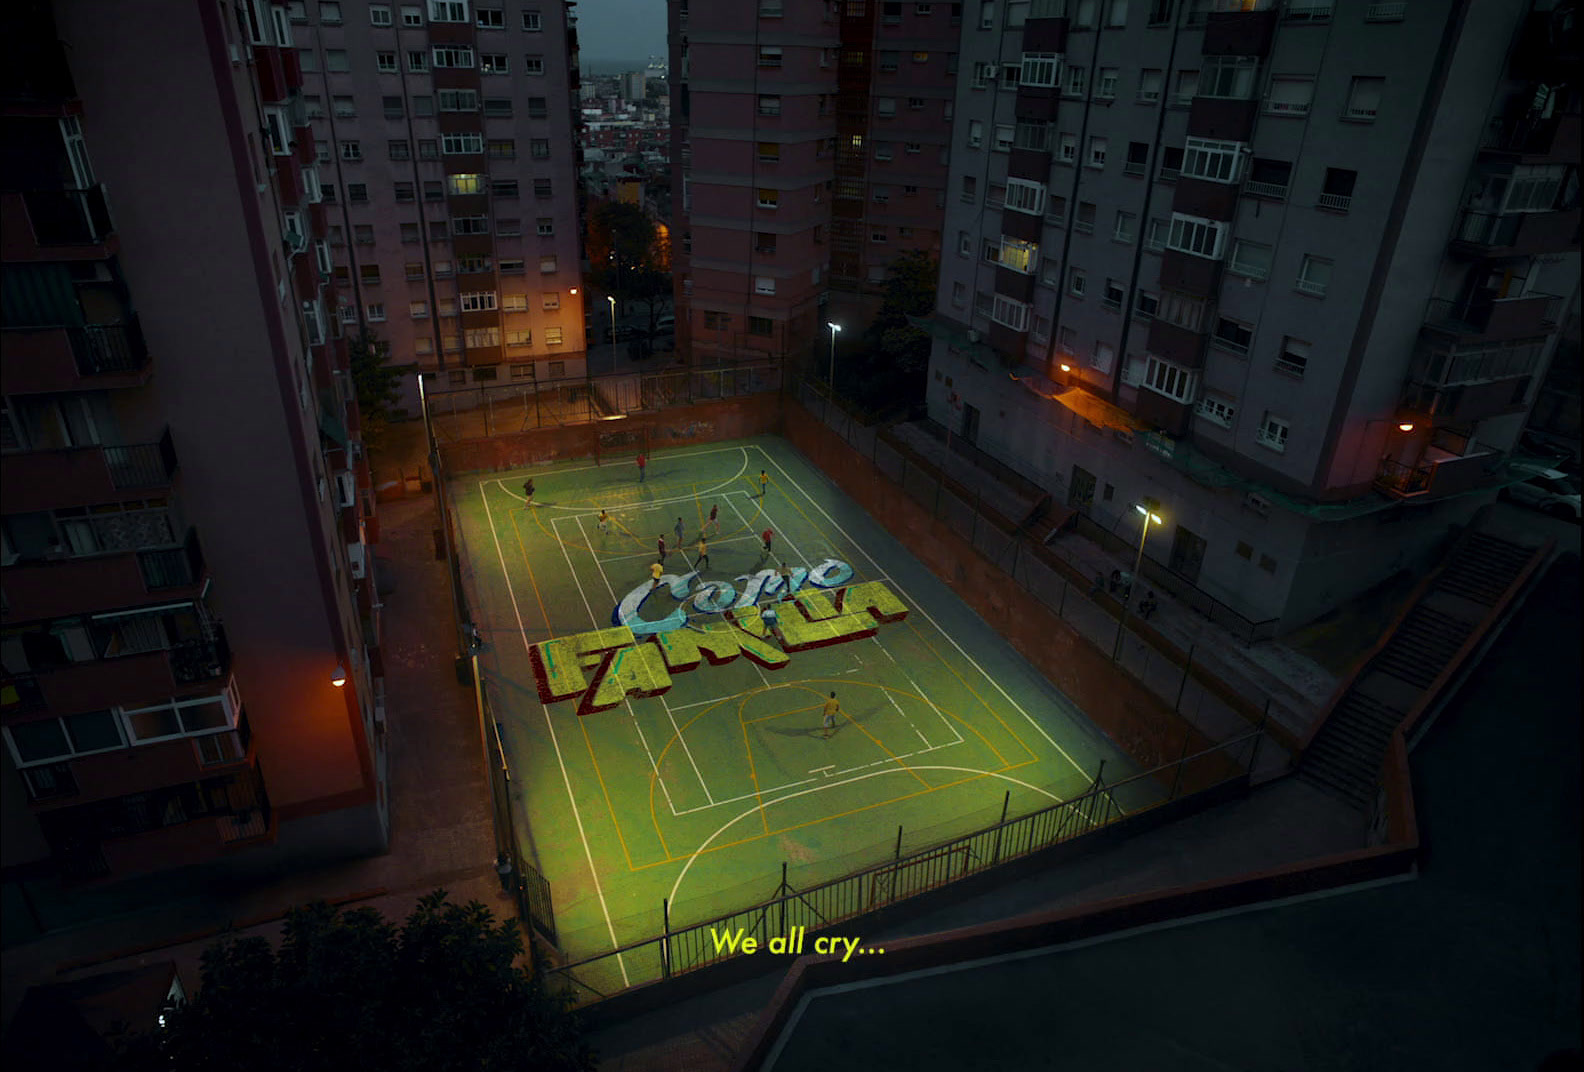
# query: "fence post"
1061,605
1260,731
489,414
1177,775
1183,685
898,844
782,893
1005,800
665,937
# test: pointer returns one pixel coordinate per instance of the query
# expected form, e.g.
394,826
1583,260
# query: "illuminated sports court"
694,785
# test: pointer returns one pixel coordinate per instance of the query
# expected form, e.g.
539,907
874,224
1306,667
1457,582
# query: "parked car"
666,325
623,331
1552,491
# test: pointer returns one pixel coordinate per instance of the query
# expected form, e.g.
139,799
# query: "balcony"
1438,472
92,357
68,217
1489,234
1485,318
146,675
64,586
1532,138
82,476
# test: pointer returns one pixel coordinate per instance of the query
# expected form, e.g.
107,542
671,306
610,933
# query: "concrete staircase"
1345,757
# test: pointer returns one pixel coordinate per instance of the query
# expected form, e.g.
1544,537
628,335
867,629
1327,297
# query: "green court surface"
697,793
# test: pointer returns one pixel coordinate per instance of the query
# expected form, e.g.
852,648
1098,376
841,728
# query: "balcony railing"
1386,12
1487,229
1276,191
201,658
68,217
107,348
173,568
1403,479
1335,202
1519,317
146,465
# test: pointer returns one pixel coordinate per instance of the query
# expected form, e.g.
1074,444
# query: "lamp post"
834,328
1147,510
612,299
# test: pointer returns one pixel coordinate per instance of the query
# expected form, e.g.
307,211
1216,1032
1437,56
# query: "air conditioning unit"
296,241
346,486
1124,435
1257,503
357,559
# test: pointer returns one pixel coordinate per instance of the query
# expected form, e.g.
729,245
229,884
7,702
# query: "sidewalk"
441,832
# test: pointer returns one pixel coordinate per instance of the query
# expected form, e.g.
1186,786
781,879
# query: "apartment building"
1292,270
190,623
811,142
444,135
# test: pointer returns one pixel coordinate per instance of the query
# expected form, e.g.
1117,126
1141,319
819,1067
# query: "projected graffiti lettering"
637,655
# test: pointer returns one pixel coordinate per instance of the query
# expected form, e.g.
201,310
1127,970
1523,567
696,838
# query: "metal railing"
201,658
679,950
1403,479
143,465
1276,191
104,348
1487,229
1335,202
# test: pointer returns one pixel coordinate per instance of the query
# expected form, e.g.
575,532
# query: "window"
513,266
442,270
448,11
458,100
490,18
1106,84
1019,255
1289,96
1364,98
1213,161
1185,311
418,62
1116,13
1314,276
769,198
461,144
532,22
716,321
435,191
1228,77
769,56
506,149
1025,196
987,14
496,63
1187,88
336,61
423,106
960,295
470,225
1173,381
472,265
770,152
478,301
537,109
1200,237
518,303
544,226
376,311
547,264
983,75
379,15
885,107
351,150
1115,295
363,234
412,16
769,104
764,285
410,233
414,269
1102,358
462,185
550,299
50,740
964,244
1009,312
1269,178
1146,305
1076,80
1294,358
975,133
1273,433
385,62
916,104
1149,89
369,274
314,106
1251,259
460,56
357,192
1033,134
1219,411
542,189
1067,341
1050,272
1003,137
1337,192
770,9
498,107
1097,152
1040,68
764,243
1077,282
1067,148
1231,335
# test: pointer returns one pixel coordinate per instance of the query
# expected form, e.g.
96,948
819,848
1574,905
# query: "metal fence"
678,950
523,405
1200,686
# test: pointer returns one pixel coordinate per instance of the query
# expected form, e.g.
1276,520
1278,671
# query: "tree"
896,354
375,383
348,990
629,256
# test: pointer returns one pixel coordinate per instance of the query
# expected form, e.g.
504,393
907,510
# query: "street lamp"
612,299
834,328
338,676
1147,510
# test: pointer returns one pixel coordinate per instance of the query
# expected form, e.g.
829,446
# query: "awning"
1097,411
331,427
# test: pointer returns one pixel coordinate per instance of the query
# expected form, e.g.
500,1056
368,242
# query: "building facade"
190,622
811,142
444,135
1291,270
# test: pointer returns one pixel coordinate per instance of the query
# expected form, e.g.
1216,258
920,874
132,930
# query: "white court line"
796,551
905,718
624,699
669,551
832,785
920,692
522,631
949,638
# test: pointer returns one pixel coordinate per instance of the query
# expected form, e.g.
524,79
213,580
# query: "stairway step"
1357,799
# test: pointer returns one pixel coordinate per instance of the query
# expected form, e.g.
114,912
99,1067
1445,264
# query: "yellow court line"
611,808
543,613
983,702
748,745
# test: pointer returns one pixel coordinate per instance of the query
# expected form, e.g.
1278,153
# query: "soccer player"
604,521
769,538
703,554
660,547
832,708
528,492
713,524
764,482
655,570
679,530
